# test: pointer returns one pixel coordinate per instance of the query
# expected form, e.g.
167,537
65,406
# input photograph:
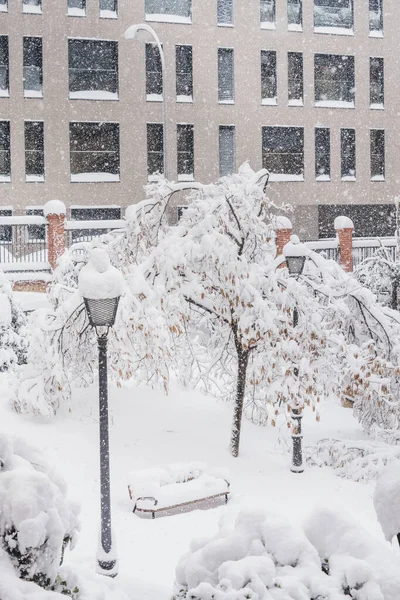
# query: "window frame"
6,177
232,130
284,176
322,158
376,105
168,17
105,13
96,94
186,98
157,73
32,93
159,154
378,154
34,178
222,23
376,32
291,25
181,176
222,76
348,146
78,234
292,78
84,176
5,92
4,6
264,6
334,102
332,29
270,80
32,9
75,11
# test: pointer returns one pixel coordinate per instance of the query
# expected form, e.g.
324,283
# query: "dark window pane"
348,153
322,154
267,11
334,13
34,150
294,12
36,232
185,148
268,75
100,213
79,4
111,5
94,149
376,15
377,91
225,12
4,64
334,78
225,75
154,83
226,150
377,154
155,154
283,150
184,74
5,230
93,66
5,154
179,8
33,65
370,220
295,76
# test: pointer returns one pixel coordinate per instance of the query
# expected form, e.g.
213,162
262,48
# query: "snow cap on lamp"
295,253
99,280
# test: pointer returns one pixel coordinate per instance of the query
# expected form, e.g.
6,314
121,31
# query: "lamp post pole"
132,33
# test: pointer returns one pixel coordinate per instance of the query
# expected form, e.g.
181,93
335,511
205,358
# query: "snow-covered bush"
36,520
261,555
387,500
13,331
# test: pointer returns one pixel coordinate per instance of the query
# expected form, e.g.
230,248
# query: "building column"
344,228
54,211
283,231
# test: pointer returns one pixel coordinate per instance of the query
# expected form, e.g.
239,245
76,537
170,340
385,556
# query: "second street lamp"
101,286
295,254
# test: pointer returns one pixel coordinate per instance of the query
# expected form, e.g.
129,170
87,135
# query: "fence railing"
328,247
23,244
85,231
366,247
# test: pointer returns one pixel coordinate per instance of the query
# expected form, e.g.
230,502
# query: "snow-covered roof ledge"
282,222
343,223
54,207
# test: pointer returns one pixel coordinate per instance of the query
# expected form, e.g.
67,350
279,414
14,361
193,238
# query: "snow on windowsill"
5,178
93,95
3,8
4,93
378,178
296,102
226,102
108,14
269,101
348,178
295,27
285,177
34,178
334,30
186,177
154,98
31,9
323,178
225,25
267,25
93,177
334,104
376,34
377,107
184,99
33,94
76,12
168,18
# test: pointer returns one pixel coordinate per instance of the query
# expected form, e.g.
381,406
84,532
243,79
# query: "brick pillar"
54,211
283,231
344,228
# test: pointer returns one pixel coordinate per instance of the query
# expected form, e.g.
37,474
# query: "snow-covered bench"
177,488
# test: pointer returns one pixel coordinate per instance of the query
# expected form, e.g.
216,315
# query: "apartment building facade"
305,88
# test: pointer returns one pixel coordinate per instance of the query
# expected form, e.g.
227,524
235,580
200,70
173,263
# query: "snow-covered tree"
13,331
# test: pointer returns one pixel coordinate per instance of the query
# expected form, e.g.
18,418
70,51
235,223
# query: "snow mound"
263,556
387,500
54,207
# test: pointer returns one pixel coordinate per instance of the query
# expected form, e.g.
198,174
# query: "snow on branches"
13,331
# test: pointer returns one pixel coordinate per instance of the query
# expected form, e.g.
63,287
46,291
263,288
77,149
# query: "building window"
376,18
377,154
185,148
348,154
5,151
268,77
4,66
77,8
94,213
155,149
94,151
184,73
227,150
33,67
295,78
295,15
108,9
334,16
376,83
175,11
34,151
93,69
36,233
225,12
334,80
154,76
267,14
372,220
5,230
322,154
283,153
3,8
32,6
226,78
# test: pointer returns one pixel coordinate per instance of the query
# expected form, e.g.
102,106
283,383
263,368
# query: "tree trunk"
243,359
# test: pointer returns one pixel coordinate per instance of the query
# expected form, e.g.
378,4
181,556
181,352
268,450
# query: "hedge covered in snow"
262,556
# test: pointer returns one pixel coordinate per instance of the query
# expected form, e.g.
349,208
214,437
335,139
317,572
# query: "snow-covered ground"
149,429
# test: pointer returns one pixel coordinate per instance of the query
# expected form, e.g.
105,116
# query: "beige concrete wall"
247,114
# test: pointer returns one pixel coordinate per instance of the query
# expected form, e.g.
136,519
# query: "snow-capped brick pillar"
283,231
344,228
54,211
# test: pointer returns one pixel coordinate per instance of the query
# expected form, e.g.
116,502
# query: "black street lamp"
101,286
295,254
